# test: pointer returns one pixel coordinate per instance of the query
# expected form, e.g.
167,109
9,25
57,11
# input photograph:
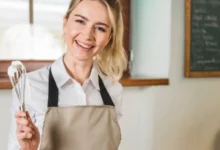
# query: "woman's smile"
84,46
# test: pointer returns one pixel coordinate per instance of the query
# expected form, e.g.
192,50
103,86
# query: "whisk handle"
22,108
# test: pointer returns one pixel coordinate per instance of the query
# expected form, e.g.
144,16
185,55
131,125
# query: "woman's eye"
80,21
100,29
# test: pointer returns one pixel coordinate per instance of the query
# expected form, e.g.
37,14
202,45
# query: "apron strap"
53,92
104,93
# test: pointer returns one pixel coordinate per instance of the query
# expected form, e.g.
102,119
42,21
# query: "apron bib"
80,127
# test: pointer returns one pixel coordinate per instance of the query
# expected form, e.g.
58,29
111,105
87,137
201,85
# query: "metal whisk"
17,75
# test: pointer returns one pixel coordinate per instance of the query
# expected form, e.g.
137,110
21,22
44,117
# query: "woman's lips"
82,45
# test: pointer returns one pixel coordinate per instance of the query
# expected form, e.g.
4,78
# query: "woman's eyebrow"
77,15
97,23
101,23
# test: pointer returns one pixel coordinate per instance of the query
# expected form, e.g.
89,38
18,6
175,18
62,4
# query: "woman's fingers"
24,125
22,121
24,135
29,118
27,133
23,128
23,118
20,114
24,132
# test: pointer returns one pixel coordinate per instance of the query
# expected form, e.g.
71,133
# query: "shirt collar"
61,76
59,72
94,77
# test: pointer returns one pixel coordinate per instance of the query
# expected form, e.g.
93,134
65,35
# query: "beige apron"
80,127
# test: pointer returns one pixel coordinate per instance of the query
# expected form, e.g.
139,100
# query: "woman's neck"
79,70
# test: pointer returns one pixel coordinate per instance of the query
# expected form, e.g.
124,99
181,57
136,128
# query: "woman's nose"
88,33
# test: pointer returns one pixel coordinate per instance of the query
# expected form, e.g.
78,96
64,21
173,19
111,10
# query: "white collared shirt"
70,93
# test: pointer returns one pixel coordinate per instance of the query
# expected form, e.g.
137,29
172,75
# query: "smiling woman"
79,93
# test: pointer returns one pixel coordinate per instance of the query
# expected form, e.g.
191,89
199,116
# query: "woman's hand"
27,133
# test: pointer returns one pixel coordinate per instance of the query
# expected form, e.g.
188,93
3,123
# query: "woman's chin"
84,58
80,57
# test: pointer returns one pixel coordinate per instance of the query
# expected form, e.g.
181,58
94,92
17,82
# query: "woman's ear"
64,24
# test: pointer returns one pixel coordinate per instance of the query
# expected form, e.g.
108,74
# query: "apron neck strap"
104,94
53,92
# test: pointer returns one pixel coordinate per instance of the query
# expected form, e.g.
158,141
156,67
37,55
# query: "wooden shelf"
143,82
5,83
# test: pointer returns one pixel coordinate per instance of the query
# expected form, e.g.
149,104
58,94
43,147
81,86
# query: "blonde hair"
112,60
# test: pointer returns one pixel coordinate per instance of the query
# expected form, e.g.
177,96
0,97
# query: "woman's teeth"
83,45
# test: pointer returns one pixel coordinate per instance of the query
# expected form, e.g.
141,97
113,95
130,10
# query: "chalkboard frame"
188,72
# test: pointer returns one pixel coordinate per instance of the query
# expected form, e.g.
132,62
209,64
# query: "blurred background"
184,115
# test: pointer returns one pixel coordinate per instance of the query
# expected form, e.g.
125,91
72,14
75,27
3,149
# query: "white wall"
5,102
182,116
187,113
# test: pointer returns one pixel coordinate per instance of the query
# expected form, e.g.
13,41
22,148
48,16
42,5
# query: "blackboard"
202,49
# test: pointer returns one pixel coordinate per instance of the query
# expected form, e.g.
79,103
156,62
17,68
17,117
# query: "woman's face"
87,30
